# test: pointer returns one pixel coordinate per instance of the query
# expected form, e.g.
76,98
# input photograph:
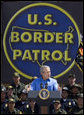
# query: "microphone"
46,85
41,86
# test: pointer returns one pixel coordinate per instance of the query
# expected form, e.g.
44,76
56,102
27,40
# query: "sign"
41,34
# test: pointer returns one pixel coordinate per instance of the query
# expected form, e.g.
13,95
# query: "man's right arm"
33,86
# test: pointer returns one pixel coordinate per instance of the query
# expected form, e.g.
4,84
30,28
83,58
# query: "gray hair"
43,67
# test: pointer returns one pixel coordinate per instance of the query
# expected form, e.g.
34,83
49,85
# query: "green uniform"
17,90
60,111
80,111
16,111
77,110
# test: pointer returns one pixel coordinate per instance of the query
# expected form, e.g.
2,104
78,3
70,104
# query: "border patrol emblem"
38,34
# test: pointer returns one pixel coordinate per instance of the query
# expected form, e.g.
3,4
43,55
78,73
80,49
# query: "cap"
80,95
11,100
10,87
77,85
16,74
65,89
72,75
56,101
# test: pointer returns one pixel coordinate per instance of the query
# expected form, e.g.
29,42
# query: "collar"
44,80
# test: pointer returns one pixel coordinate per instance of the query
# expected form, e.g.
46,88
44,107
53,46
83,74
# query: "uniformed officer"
76,89
17,85
3,94
22,102
66,103
78,109
9,92
25,105
11,108
3,98
55,108
71,81
33,108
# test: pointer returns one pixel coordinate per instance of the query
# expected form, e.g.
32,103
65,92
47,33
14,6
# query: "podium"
44,102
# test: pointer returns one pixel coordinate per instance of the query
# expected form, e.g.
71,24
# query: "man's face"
57,106
10,92
80,102
16,79
46,73
64,94
11,105
23,97
72,80
75,90
3,95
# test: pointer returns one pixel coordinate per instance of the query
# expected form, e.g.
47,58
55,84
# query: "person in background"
32,108
3,94
22,102
71,81
66,103
57,108
78,109
17,85
3,98
11,108
9,93
76,89
45,81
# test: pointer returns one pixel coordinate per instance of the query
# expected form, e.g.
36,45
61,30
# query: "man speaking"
45,81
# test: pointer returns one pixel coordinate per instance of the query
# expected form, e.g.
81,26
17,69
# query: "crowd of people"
14,97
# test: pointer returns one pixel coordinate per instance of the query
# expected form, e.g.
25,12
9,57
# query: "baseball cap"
77,85
11,100
10,87
56,101
72,75
16,74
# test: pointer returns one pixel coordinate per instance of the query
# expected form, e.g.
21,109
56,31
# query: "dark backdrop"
8,9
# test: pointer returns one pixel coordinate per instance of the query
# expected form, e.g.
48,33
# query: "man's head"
3,93
11,104
65,93
57,104
72,79
16,78
45,72
23,95
80,100
9,90
76,89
